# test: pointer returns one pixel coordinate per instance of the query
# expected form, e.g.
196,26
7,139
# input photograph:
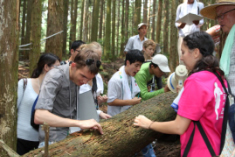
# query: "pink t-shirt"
203,99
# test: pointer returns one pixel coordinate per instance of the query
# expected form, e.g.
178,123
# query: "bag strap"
94,89
24,87
224,127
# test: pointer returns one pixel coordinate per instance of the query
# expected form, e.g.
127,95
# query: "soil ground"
167,146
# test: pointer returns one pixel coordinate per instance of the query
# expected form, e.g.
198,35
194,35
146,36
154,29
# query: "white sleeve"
114,90
100,83
20,92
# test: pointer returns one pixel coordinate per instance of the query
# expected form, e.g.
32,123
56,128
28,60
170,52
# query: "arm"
142,83
201,6
177,126
44,116
178,25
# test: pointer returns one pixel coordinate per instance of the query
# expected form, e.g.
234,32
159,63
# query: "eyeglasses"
91,61
221,16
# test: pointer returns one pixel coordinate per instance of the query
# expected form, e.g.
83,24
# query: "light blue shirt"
134,42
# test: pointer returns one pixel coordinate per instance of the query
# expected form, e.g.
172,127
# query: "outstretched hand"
142,121
90,124
104,115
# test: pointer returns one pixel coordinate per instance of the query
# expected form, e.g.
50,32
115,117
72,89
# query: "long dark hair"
46,58
205,44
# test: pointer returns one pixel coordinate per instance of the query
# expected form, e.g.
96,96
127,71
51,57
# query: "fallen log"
121,138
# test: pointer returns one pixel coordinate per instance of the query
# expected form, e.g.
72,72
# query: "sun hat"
210,11
142,24
162,62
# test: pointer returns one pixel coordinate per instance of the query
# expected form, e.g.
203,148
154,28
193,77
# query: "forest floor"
167,146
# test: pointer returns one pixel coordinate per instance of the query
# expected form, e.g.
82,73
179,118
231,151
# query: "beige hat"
210,11
142,24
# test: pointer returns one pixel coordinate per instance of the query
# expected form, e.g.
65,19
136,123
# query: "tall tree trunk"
145,11
9,43
122,30
85,21
148,20
65,23
82,17
104,20
159,21
119,133
73,30
101,18
95,15
55,25
113,28
35,34
23,22
166,24
153,20
173,55
107,30
25,54
136,17
126,20
117,30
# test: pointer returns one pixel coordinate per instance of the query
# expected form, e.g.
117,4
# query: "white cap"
162,62
142,24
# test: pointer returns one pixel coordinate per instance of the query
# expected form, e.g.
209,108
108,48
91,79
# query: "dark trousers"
24,146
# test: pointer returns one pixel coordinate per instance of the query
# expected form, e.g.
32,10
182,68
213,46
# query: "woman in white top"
28,90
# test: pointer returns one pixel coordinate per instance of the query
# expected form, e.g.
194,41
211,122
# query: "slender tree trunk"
95,15
23,22
65,23
173,53
9,43
101,18
148,19
119,133
55,25
117,30
159,22
28,26
122,30
113,28
145,11
126,20
35,34
166,28
85,21
82,17
153,20
107,30
74,8
104,20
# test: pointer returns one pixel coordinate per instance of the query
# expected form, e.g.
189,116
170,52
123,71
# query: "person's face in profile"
225,15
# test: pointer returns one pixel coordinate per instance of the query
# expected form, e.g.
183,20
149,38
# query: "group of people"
201,100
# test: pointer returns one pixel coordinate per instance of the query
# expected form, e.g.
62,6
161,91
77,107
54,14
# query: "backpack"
35,126
231,114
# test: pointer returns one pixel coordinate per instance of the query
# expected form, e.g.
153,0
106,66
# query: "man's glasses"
221,16
91,61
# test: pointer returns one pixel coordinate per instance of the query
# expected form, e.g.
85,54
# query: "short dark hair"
76,44
154,65
134,56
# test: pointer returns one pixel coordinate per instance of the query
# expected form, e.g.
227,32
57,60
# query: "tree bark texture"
153,20
54,25
35,34
73,26
85,21
101,18
81,22
95,15
9,42
159,21
113,29
120,137
145,11
165,29
23,21
65,22
107,30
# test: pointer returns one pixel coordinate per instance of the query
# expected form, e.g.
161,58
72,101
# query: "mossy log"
121,138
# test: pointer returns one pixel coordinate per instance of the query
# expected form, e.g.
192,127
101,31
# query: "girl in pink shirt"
202,98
